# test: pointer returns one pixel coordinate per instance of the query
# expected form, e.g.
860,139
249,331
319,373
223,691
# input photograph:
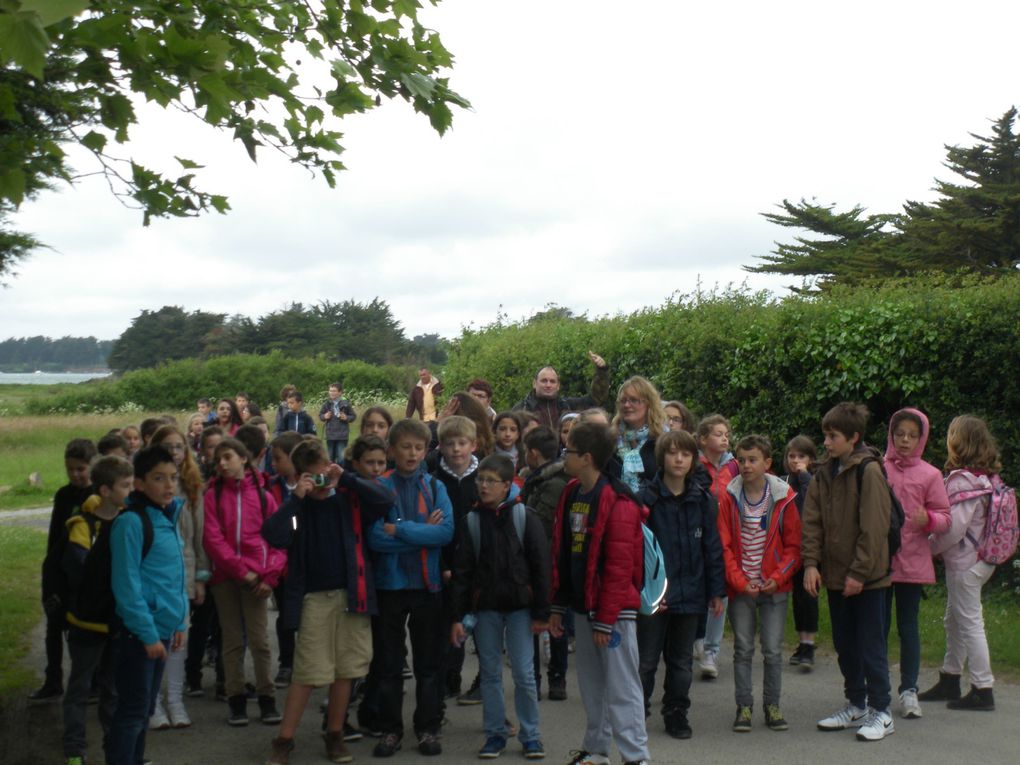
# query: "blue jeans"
336,450
92,653
137,679
710,628
908,605
858,634
519,647
765,614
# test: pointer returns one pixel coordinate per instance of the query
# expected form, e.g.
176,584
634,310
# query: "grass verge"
21,551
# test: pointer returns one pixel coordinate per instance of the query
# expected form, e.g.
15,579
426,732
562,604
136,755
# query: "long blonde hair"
971,445
643,389
191,476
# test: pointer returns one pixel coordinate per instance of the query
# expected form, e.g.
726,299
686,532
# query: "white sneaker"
699,650
178,714
910,709
877,726
847,717
159,720
594,759
709,668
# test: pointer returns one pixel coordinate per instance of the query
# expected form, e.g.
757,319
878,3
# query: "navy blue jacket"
299,421
686,529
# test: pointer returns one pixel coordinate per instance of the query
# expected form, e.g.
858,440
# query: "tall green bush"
944,345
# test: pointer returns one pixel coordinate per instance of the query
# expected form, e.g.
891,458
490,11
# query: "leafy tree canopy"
72,71
973,226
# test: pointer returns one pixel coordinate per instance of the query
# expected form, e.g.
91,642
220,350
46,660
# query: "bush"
945,345
177,385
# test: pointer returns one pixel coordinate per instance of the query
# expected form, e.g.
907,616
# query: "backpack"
475,528
654,588
896,517
998,541
94,600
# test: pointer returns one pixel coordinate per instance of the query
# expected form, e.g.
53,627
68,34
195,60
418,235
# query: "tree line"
27,354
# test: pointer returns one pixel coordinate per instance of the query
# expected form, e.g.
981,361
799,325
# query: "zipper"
240,486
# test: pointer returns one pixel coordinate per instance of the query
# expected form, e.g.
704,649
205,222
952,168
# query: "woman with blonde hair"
640,419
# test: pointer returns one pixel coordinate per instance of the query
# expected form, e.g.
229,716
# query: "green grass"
21,551
13,397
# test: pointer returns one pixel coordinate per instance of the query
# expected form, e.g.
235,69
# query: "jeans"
908,604
747,615
91,653
711,629
419,612
137,679
336,450
965,625
674,634
519,647
858,634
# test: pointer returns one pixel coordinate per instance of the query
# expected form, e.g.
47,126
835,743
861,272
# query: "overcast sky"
616,153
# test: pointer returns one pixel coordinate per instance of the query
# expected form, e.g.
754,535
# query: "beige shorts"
331,644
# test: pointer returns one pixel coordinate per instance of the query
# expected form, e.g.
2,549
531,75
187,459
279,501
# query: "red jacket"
781,557
615,569
721,476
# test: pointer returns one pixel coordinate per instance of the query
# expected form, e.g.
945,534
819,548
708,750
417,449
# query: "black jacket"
463,494
66,502
686,529
647,452
550,410
507,575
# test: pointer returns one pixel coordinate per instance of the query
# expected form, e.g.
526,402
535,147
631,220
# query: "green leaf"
94,141
52,11
342,70
12,185
219,203
24,41
419,85
188,164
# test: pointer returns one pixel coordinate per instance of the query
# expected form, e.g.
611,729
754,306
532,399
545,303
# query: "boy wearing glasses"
501,576
759,528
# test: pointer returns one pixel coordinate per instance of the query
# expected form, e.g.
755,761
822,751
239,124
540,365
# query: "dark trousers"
557,660
203,623
137,679
673,634
55,626
421,613
805,607
336,450
908,605
858,633
92,653
284,636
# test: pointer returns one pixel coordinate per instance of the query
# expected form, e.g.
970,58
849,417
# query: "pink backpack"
998,541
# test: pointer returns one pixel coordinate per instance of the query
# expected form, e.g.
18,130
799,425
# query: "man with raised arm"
547,403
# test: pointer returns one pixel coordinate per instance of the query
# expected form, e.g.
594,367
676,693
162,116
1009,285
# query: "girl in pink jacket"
920,490
244,571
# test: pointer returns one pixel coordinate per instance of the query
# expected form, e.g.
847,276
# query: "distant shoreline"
51,378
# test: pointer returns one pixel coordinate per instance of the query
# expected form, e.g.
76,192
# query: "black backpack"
896,517
94,601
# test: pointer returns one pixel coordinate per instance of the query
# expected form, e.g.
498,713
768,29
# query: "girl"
245,570
799,463
973,467
190,523
679,417
196,424
566,423
376,421
228,417
133,436
640,419
211,438
507,431
466,405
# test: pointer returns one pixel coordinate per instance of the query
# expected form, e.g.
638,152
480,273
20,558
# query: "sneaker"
282,679
351,733
795,659
910,708
336,748
533,750
280,749
471,697
699,650
708,666
876,726
677,726
47,693
557,690
581,757
847,717
387,746
178,714
159,720
268,713
742,722
774,718
193,689
428,744
807,657
238,711
492,748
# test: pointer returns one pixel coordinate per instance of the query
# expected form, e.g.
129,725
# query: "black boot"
976,700
946,689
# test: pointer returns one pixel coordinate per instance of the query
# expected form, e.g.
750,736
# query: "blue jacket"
300,422
410,560
152,601
687,531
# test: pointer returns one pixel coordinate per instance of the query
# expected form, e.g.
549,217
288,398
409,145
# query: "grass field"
21,551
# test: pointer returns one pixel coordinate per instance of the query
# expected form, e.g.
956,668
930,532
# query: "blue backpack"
654,588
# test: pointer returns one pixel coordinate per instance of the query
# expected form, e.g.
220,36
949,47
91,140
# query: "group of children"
503,528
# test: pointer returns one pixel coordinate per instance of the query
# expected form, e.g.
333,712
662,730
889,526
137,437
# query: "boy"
682,513
88,642
502,576
152,601
598,571
329,589
759,528
296,418
78,455
112,444
541,492
457,469
338,414
408,544
205,409
846,550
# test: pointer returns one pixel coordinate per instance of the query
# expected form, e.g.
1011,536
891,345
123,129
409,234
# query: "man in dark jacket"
547,404
422,398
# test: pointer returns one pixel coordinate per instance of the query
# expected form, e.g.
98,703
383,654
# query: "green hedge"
946,346
177,385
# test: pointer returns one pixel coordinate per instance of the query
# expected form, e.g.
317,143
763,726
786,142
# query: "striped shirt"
753,534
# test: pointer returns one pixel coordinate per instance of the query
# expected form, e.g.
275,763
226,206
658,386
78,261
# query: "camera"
320,480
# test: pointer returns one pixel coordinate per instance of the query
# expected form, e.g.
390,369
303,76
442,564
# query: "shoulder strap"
475,531
147,530
520,518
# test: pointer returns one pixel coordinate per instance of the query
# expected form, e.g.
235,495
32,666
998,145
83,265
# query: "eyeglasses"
571,451
675,420
630,402
489,481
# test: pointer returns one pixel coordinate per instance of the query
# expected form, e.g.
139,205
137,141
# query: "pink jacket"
916,484
968,516
231,535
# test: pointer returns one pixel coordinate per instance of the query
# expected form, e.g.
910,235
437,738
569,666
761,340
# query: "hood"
894,457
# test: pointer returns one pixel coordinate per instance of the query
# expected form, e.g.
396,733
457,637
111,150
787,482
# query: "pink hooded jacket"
968,515
916,484
232,536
